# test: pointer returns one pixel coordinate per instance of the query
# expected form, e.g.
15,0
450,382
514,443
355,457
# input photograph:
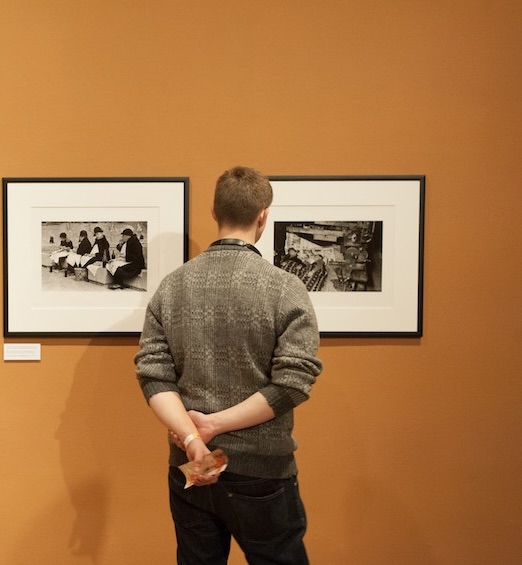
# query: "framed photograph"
83,256
357,244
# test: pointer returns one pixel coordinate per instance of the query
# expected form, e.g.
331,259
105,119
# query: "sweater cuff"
282,400
150,388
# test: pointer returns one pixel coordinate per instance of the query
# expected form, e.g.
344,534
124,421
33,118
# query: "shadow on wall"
113,456
111,448
73,528
82,466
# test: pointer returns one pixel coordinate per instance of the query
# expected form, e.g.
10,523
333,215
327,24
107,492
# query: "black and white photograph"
331,256
356,242
94,251
94,256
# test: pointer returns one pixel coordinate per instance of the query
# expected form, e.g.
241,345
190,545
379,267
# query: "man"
100,249
80,257
59,257
130,262
292,263
228,350
84,245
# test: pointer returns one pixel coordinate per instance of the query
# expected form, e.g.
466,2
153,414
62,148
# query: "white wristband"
188,440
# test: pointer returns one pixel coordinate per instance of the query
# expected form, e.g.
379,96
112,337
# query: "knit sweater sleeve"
155,367
294,364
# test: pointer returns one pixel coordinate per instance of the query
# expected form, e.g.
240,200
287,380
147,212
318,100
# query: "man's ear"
262,218
213,212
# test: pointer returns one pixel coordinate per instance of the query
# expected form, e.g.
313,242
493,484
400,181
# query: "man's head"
127,233
241,195
98,232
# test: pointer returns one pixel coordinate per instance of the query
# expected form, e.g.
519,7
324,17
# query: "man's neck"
246,235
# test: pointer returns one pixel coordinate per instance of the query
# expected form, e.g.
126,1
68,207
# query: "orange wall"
409,448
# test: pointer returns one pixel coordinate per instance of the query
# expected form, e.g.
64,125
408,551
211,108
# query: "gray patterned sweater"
225,325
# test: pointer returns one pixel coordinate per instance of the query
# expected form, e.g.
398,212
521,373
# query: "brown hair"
241,193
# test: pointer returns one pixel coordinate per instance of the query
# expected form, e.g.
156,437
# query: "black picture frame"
369,231
40,300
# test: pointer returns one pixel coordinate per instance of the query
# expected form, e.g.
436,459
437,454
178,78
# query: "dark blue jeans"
265,516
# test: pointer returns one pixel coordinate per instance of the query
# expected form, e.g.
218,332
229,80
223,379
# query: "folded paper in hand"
213,463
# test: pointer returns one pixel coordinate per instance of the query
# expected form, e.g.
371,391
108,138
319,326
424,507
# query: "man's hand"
196,450
205,423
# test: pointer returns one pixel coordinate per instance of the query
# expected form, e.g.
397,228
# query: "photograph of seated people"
129,262
115,258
